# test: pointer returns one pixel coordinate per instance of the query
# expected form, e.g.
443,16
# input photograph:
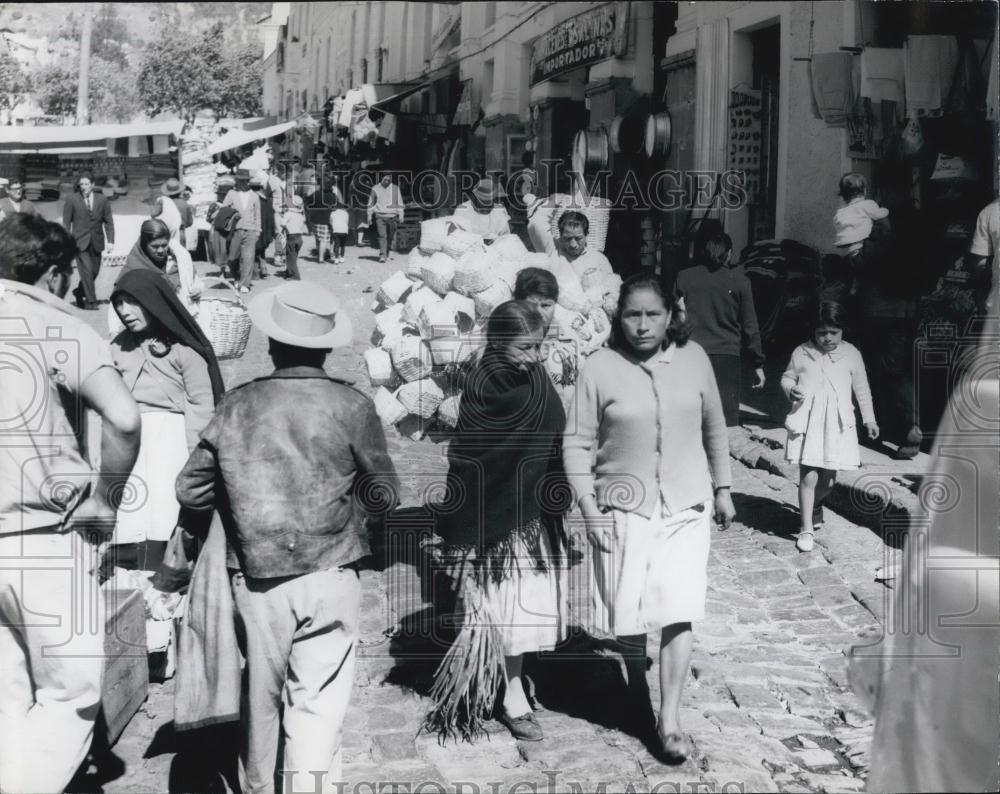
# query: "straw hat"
487,191
302,314
172,187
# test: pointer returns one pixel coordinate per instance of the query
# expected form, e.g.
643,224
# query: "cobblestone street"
767,704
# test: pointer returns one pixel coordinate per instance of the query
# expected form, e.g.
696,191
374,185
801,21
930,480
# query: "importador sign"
587,38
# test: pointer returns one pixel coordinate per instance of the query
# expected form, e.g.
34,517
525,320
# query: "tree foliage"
14,82
183,74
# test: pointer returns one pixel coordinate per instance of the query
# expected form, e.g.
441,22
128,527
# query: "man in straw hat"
292,460
244,236
482,213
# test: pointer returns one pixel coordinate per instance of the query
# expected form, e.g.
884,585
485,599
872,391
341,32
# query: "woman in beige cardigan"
650,409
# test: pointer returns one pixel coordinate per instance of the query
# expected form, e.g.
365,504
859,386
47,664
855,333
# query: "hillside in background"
38,20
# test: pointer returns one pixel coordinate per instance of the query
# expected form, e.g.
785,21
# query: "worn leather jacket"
292,461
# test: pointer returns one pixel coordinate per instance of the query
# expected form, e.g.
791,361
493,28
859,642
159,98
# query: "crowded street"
501,397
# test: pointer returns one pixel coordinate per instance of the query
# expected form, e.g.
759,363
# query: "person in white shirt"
852,223
986,244
539,224
571,247
386,206
339,226
482,214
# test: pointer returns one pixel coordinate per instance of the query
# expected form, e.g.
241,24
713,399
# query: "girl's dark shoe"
524,728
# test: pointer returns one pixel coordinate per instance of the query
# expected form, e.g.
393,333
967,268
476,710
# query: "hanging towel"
929,65
882,74
833,86
354,97
387,129
993,85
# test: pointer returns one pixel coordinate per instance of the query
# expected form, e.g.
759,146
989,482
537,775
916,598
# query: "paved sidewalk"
767,702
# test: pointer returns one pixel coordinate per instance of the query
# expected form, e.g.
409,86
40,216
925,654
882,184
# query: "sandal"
674,748
804,542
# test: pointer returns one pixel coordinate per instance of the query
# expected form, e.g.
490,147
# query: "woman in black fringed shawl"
501,528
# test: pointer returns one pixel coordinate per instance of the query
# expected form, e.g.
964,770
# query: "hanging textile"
929,66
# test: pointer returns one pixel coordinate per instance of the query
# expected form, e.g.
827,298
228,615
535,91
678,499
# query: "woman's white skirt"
655,573
149,507
530,606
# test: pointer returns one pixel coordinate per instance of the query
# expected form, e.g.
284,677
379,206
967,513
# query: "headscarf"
155,295
139,259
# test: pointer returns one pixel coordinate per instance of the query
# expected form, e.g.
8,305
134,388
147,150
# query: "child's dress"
821,426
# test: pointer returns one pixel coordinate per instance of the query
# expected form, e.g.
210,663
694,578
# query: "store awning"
236,138
65,150
38,137
389,99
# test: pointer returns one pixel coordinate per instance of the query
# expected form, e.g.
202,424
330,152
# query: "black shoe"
524,728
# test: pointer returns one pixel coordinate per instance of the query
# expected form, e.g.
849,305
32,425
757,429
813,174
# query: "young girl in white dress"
822,437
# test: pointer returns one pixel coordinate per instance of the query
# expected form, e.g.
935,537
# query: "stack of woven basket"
430,321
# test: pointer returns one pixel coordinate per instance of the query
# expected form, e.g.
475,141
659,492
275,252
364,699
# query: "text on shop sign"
587,38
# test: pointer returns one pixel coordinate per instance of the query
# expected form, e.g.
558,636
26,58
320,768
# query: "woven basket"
447,350
411,358
474,272
420,397
464,309
591,278
598,212
437,273
390,318
510,247
437,319
460,241
507,270
379,365
433,233
415,263
416,301
571,294
536,259
225,320
448,410
389,409
394,289
113,260
487,300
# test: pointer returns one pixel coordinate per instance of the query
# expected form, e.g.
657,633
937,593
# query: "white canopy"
236,138
42,138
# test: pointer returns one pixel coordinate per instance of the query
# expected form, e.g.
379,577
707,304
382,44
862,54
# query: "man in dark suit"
87,216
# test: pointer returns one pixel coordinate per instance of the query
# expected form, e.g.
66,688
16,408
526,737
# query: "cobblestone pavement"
766,704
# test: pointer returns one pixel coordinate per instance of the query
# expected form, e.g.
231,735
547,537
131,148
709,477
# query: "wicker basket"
509,247
487,300
225,320
474,272
420,397
415,263
571,294
411,358
113,260
464,309
416,301
591,278
460,241
437,319
598,212
507,270
433,233
438,272
389,409
379,364
394,289
447,350
389,319
537,259
448,410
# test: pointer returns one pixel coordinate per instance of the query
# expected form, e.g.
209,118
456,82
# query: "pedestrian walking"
291,460
244,236
295,227
504,537
718,300
385,205
55,509
822,438
339,226
649,408
268,223
87,216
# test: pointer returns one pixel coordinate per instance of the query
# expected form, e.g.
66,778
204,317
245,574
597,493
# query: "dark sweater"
720,309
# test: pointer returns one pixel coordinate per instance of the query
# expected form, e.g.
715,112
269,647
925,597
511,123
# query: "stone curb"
877,501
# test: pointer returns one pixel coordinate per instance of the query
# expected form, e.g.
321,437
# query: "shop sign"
587,38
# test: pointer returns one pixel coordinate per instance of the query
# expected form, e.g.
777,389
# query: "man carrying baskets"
292,460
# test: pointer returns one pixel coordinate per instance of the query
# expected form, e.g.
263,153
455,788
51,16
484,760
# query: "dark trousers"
727,375
386,225
292,245
887,348
88,265
218,249
339,244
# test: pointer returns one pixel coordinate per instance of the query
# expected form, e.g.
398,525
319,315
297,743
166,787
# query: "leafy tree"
14,82
112,95
109,35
